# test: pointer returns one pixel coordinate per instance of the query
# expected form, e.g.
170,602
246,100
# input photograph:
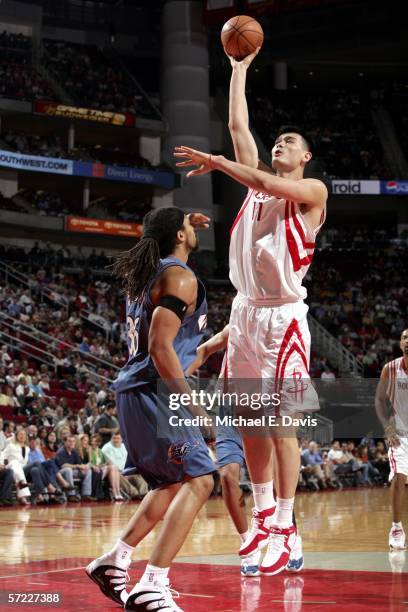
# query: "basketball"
241,35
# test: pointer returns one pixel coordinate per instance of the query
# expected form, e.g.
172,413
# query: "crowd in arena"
347,143
55,146
365,306
91,78
18,77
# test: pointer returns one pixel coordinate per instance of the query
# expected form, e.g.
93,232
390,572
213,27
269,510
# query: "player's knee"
229,478
203,485
400,480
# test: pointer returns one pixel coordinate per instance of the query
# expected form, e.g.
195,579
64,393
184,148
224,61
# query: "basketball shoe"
280,544
250,564
259,532
145,597
296,561
110,578
396,538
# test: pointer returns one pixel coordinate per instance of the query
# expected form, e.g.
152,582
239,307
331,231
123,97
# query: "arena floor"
345,536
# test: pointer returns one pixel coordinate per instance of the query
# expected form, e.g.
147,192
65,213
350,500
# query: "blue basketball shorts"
162,454
229,447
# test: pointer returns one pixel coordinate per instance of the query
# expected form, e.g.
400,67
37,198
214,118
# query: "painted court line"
196,595
66,569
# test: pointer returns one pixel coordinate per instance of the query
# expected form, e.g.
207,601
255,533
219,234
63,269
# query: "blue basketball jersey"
139,369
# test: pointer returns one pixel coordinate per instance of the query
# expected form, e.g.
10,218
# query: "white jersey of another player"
271,250
397,393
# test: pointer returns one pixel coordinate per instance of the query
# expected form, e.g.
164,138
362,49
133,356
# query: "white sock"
283,512
244,536
263,495
397,525
121,554
155,575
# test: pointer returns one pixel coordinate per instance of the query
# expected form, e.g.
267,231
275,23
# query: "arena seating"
338,122
18,77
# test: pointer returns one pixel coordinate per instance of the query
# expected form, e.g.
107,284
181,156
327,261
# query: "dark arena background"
94,96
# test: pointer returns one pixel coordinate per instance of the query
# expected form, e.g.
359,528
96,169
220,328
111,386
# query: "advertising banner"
54,109
34,163
166,180
352,187
102,226
394,187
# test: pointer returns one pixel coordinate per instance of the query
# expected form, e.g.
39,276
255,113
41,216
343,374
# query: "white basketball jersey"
398,393
271,249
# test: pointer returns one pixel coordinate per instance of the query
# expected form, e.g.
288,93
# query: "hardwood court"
345,536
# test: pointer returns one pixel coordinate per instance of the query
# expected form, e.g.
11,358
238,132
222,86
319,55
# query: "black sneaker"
111,579
145,597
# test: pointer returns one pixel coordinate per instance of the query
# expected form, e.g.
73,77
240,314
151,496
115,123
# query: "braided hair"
136,266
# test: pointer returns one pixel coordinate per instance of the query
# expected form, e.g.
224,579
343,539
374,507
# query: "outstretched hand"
199,221
247,61
192,157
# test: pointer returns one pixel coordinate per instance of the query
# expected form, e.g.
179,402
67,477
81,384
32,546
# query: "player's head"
292,149
166,231
404,342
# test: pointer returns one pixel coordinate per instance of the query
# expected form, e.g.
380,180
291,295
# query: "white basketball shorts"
398,457
272,343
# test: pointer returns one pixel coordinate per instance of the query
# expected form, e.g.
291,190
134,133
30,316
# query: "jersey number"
133,335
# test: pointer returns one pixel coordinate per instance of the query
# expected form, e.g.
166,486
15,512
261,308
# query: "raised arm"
246,151
311,192
214,344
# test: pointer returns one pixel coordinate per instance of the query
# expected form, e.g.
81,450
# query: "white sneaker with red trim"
259,532
396,539
281,542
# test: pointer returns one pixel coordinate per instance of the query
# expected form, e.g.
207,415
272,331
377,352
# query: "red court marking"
217,588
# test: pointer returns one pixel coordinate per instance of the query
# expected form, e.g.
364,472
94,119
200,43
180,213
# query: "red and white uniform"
271,250
398,395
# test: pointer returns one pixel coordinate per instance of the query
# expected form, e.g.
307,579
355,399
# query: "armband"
174,304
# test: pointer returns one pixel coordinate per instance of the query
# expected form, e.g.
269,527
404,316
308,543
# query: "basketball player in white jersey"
272,245
392,409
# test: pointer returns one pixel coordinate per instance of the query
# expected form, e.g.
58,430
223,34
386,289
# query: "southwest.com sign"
52,165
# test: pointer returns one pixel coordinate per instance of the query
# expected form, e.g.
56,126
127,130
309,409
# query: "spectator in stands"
107,424
369,472
115,452
108,469
327,375
16,454
36,388
41,472
67,457
9,429
6,484
50,445
3,439
5,357
84,451
380,461
312,461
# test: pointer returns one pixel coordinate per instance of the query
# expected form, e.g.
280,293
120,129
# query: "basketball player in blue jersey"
230,459
166,314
